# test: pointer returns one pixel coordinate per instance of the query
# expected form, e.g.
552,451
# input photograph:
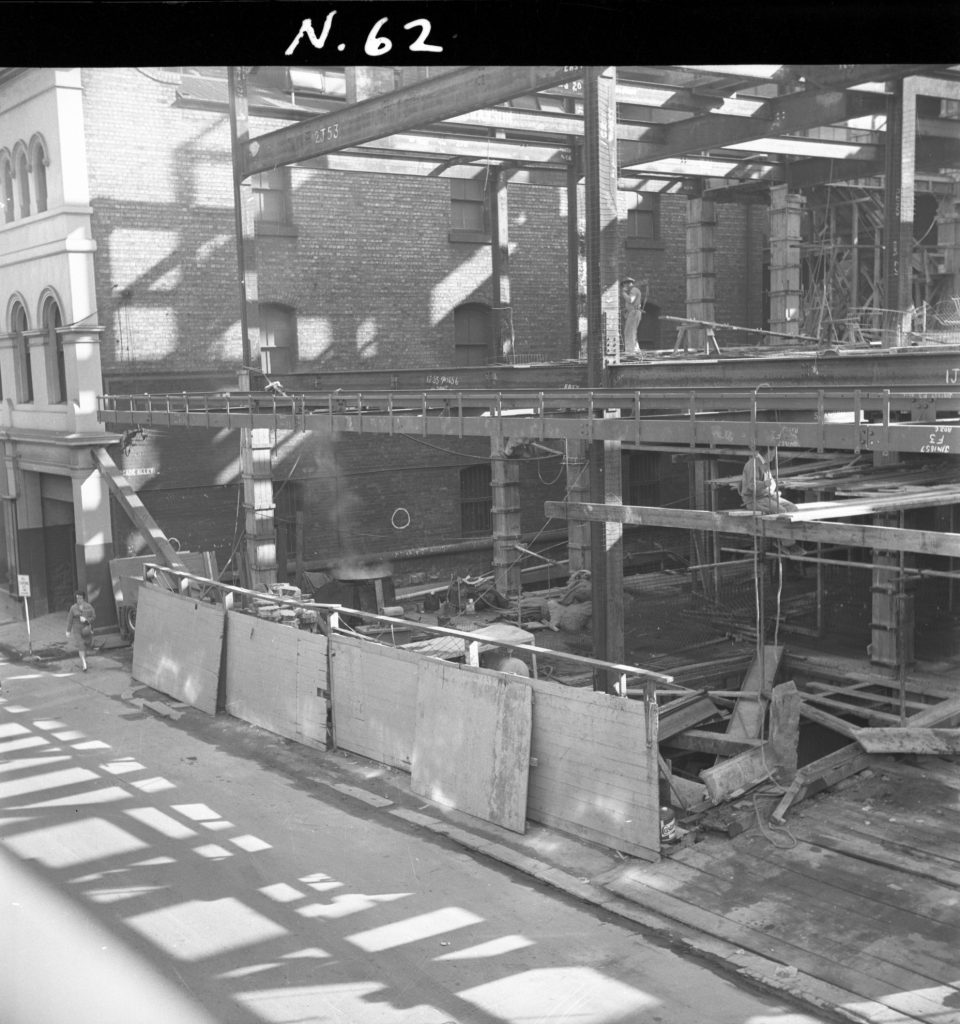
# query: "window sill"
476,237
266,230
653,244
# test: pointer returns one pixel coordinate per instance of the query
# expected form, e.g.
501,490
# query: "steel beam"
782,116
686,431
881,538
414,106
129,501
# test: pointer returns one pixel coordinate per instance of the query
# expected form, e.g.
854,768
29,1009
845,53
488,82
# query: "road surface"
199,870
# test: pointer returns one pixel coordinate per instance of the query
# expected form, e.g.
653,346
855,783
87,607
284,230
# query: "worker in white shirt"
760,493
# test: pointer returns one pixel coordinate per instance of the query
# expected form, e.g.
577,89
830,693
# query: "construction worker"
633,305
759,492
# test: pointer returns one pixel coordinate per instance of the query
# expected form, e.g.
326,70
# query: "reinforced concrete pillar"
256,464
948,235
603,347
578,490
701,269
94,543
786,210
900,163
505,483
500,262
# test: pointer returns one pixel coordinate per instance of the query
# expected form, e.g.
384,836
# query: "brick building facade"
354,270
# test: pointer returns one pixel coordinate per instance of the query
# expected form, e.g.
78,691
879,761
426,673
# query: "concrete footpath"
581,870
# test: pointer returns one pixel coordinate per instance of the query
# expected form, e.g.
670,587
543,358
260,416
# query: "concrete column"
578,490
256,446
701,269
505,483
603,346
91,517
785,223
948,235
256,463
574,173
899,170
500,262
81,356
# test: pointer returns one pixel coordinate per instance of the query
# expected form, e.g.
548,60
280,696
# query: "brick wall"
349,489
374,280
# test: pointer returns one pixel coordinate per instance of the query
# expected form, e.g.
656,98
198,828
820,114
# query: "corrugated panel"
594,774
374,693
472,744
276,678
177,647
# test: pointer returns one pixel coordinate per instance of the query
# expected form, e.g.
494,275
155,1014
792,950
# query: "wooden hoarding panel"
594,774
273,674
177,647
472,743
374,693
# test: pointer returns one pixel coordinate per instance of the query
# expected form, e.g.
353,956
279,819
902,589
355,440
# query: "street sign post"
23,590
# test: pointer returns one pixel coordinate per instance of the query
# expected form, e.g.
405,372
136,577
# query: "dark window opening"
476,501
642,473
6,173
643,218
40,178
473,334
23,173
469,210
51,321
22,348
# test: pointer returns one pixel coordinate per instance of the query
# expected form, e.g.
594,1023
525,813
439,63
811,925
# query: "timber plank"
856,692
895,740
851,709
864,934
748,712
879,884
946,772
906,836
632,885
875,851
851,669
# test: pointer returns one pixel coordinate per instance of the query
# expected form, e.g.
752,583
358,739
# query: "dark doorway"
60,543
472,329
648,333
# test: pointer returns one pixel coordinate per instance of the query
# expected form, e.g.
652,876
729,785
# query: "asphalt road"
198,871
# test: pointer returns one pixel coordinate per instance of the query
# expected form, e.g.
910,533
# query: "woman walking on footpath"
80,626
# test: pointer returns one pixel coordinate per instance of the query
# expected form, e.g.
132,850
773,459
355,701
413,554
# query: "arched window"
18,324
23,176
51,321
40,161
473,334
6,183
